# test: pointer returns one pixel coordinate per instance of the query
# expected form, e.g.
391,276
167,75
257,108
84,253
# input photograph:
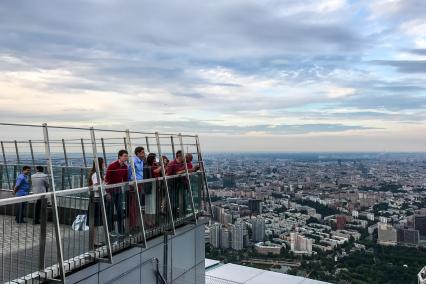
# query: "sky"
270,75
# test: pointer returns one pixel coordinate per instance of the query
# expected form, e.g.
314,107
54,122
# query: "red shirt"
116,173
154,167
175,167
189,165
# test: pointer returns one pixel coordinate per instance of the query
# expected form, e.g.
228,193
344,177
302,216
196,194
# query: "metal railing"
44,236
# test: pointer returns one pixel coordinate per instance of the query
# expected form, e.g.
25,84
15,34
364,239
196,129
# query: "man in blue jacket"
22,188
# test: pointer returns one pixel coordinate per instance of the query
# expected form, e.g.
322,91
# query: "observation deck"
57,245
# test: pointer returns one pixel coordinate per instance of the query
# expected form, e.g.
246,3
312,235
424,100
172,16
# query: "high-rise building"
227,219
408,236
237,236
299,244
255,206
218,213
258,229
420,225
340,222
386,234
224,238
215,235
229,180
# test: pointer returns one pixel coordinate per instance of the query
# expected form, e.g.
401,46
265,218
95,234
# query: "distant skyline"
273,75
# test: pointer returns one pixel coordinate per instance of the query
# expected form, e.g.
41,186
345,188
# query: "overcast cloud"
344,74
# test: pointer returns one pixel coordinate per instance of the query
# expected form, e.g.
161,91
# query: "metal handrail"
64,194
96,129
85,189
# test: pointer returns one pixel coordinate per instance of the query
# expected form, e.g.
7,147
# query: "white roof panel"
249,275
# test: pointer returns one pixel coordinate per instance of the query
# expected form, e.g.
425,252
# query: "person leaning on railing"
22,188
131,201
40,184
95,196
189,165
161,185
117,172
152,170
175,185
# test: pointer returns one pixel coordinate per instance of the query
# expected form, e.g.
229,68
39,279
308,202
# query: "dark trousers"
37,210
117,203
20,212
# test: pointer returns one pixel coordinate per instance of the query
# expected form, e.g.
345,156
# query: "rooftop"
237,274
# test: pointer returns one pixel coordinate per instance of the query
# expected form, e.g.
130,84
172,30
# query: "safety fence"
75,220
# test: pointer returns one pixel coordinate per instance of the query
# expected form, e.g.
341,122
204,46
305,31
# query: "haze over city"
330,75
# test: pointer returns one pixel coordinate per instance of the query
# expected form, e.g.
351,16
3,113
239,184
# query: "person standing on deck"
131,203
40,184
22,188
117,172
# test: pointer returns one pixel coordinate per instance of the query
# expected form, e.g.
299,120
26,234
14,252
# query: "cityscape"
323,216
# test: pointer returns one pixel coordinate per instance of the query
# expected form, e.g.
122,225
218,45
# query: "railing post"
102,193
54,204
43,234
187,177
203,170
63,178
103,151
147,144
66,164
32,152
84,153
173,145
125,144
5,165
135,180
1,176
163,171
32,157
15,172
17,153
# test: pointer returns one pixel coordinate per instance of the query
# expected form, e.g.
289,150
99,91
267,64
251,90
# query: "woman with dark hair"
165,161
153,170
95,195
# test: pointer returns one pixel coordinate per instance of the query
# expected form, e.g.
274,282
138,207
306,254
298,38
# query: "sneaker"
113,234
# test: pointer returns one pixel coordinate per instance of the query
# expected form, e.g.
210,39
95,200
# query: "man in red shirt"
191,168
117,172
176,166
177,185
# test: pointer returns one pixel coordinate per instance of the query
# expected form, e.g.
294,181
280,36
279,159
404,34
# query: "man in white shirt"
40,184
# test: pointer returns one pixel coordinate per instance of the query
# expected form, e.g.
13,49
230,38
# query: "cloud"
336,92
240,67
405,66
280,129
418,51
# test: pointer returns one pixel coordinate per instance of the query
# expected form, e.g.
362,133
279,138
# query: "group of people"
39,184
152,196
